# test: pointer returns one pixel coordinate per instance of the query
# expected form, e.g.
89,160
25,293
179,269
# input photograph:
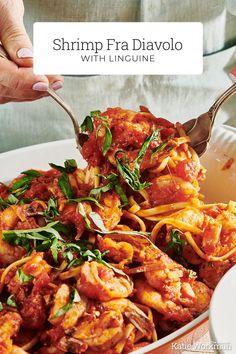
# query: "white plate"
223,313
218,187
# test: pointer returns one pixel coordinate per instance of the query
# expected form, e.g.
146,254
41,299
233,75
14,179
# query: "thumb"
13,34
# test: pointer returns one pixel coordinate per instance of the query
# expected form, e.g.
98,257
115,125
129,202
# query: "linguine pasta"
115,256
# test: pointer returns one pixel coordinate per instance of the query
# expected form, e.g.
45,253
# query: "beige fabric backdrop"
174,97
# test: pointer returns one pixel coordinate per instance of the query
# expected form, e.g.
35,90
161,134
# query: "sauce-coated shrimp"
97,281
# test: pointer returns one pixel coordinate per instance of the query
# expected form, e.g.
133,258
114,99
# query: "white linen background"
175,97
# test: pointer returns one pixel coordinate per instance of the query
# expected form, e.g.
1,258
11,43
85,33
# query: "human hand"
17,80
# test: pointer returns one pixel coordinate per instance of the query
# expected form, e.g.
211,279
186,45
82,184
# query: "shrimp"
120,252
8,253
102,332
71,214
111,211
9,218
9,326
133,313
195,300
36,265
201,300
139,248
97,281
149,296
170,189
70,317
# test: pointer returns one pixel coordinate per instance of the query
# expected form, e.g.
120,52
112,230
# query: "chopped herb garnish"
176,244
54,249
22,184
64,184
51,213
132,176
87,125
1,306
69,166
31,173
11,301
113,181
158,149
84,216
97,220
11,200
83,254
74,297
86,199
107,140
23,278
40,236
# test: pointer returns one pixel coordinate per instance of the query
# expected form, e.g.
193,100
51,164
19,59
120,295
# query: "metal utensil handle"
67,108
218,103
58,99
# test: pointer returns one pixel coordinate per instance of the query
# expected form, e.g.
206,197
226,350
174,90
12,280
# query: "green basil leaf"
97,220
23,278
95,113
74,297
3,204
89,199
98,130
122,195
23,201
103,189
107,140
11,301
158,149
144,147
87,125
57,167
1,306
51,212
12,200
70,165
84,216
63,183
61,311
54,249
23,183
132,177
32,173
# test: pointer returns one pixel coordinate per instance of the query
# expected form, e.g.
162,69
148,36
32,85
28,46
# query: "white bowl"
223,313
218,187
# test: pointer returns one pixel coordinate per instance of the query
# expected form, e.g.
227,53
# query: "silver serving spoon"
79,137
199,129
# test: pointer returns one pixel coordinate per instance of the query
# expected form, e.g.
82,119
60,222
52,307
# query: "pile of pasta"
114,256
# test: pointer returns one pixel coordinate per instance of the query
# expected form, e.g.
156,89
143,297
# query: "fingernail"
24,53
40,86
57,85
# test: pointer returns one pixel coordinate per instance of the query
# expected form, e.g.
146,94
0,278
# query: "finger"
232,74
22,95
13,34
55,81
4,100
21,78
